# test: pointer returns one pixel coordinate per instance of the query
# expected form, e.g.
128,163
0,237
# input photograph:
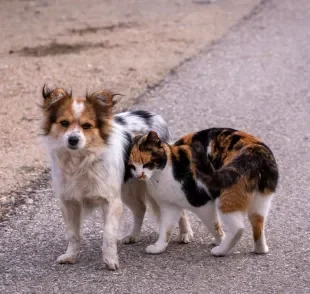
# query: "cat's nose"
142,176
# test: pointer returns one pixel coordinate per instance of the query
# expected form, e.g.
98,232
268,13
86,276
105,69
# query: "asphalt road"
256,79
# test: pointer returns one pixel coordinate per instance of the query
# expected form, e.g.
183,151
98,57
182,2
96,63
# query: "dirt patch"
58,49
98,44
111,28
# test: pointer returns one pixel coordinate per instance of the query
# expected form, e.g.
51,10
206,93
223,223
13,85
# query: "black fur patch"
269,177
126,153
227,132
159,159
207,135
264,145
149,165
120,120
195,195
145,115
234,140
142,113
203,137
179,143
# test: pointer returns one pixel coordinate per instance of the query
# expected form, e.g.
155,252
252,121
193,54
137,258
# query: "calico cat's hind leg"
169,215
233,223
186,232
232,204
258,212
209,215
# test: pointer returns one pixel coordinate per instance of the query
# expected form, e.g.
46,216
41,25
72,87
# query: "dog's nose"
73,140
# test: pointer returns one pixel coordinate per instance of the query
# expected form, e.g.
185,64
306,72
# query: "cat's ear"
152,139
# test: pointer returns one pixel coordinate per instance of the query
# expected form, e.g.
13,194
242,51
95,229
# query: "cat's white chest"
164,188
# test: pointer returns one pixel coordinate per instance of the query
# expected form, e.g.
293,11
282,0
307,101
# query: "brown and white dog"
89,148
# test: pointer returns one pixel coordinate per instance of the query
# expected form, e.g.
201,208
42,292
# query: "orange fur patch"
257,222
219,146
174,151
136,156
218,229
187,139
235,198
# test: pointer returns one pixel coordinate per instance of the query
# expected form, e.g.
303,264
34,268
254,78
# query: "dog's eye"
86,126
64,123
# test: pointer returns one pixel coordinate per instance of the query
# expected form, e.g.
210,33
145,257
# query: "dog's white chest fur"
88,176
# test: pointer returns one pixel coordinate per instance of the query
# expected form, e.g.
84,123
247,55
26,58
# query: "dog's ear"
104,97
52,96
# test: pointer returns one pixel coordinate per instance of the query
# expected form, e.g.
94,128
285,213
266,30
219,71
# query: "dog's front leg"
71,211
112,211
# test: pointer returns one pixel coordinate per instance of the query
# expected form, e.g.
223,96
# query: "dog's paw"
155,248
186,238
68,258
129,239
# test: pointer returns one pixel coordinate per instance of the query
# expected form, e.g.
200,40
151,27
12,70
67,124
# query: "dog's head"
77,123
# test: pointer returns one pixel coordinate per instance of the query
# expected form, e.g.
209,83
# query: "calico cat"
216,173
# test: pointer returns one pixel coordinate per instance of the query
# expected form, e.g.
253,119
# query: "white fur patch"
141,172
78,108
209,149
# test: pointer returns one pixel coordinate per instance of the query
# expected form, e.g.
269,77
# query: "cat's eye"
64,123
148,165
86,126
130,166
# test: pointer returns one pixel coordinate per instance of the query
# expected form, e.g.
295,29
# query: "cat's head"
147,155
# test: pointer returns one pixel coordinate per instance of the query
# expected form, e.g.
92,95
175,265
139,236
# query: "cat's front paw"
129,239
218,251
68,258
186,238
156,248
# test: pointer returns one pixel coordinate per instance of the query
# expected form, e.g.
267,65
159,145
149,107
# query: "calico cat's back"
222,144
233,154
